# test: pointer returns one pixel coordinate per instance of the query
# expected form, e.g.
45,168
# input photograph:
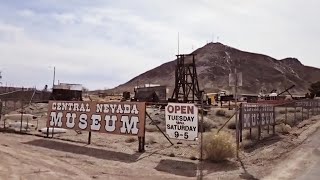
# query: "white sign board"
182,121
232,79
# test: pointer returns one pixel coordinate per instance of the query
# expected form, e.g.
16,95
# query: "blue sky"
102,43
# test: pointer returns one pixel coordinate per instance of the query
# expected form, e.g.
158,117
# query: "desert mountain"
215,61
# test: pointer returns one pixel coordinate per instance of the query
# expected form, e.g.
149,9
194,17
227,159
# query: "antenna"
178,43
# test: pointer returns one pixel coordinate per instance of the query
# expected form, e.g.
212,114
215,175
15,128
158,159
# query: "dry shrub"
284,128
150,140
229,115
218,147
254,134
282,111
247,144
232,125
290,120
289,110
153,128
131,140
292,110
193,158
221,112
208,124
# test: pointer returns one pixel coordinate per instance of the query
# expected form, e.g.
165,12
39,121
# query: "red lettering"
176,109
190,110
170,109
183,109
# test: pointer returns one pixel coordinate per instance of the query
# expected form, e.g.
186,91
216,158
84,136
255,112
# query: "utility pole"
200,165
236,108
0,77
234,76
54,76
201,127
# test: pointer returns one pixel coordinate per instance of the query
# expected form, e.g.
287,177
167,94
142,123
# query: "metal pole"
235,96
295,115
274,122
21,116
286,117
178,43
89,138
225,123
259,124
47,132
199,169
53,130
54,76
201,132
312,110
159,129
27,125
4,122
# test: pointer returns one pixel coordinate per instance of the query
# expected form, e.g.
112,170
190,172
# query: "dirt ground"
302,163
67,156
31,157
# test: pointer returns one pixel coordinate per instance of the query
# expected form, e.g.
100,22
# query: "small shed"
146,96
67,92
151,94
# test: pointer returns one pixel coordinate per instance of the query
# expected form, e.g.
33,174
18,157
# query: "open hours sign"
182,121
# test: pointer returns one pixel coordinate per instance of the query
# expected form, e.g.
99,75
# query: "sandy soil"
302,163
262,159
32,157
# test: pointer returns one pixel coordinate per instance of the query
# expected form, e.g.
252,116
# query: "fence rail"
258,115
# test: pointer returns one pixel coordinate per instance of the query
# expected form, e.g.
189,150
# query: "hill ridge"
215,61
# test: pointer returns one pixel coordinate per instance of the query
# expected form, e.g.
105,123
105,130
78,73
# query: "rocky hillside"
215,61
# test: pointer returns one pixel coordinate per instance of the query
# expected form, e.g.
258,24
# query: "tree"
315,89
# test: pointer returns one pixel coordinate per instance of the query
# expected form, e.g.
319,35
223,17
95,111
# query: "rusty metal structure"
186,80
287,90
